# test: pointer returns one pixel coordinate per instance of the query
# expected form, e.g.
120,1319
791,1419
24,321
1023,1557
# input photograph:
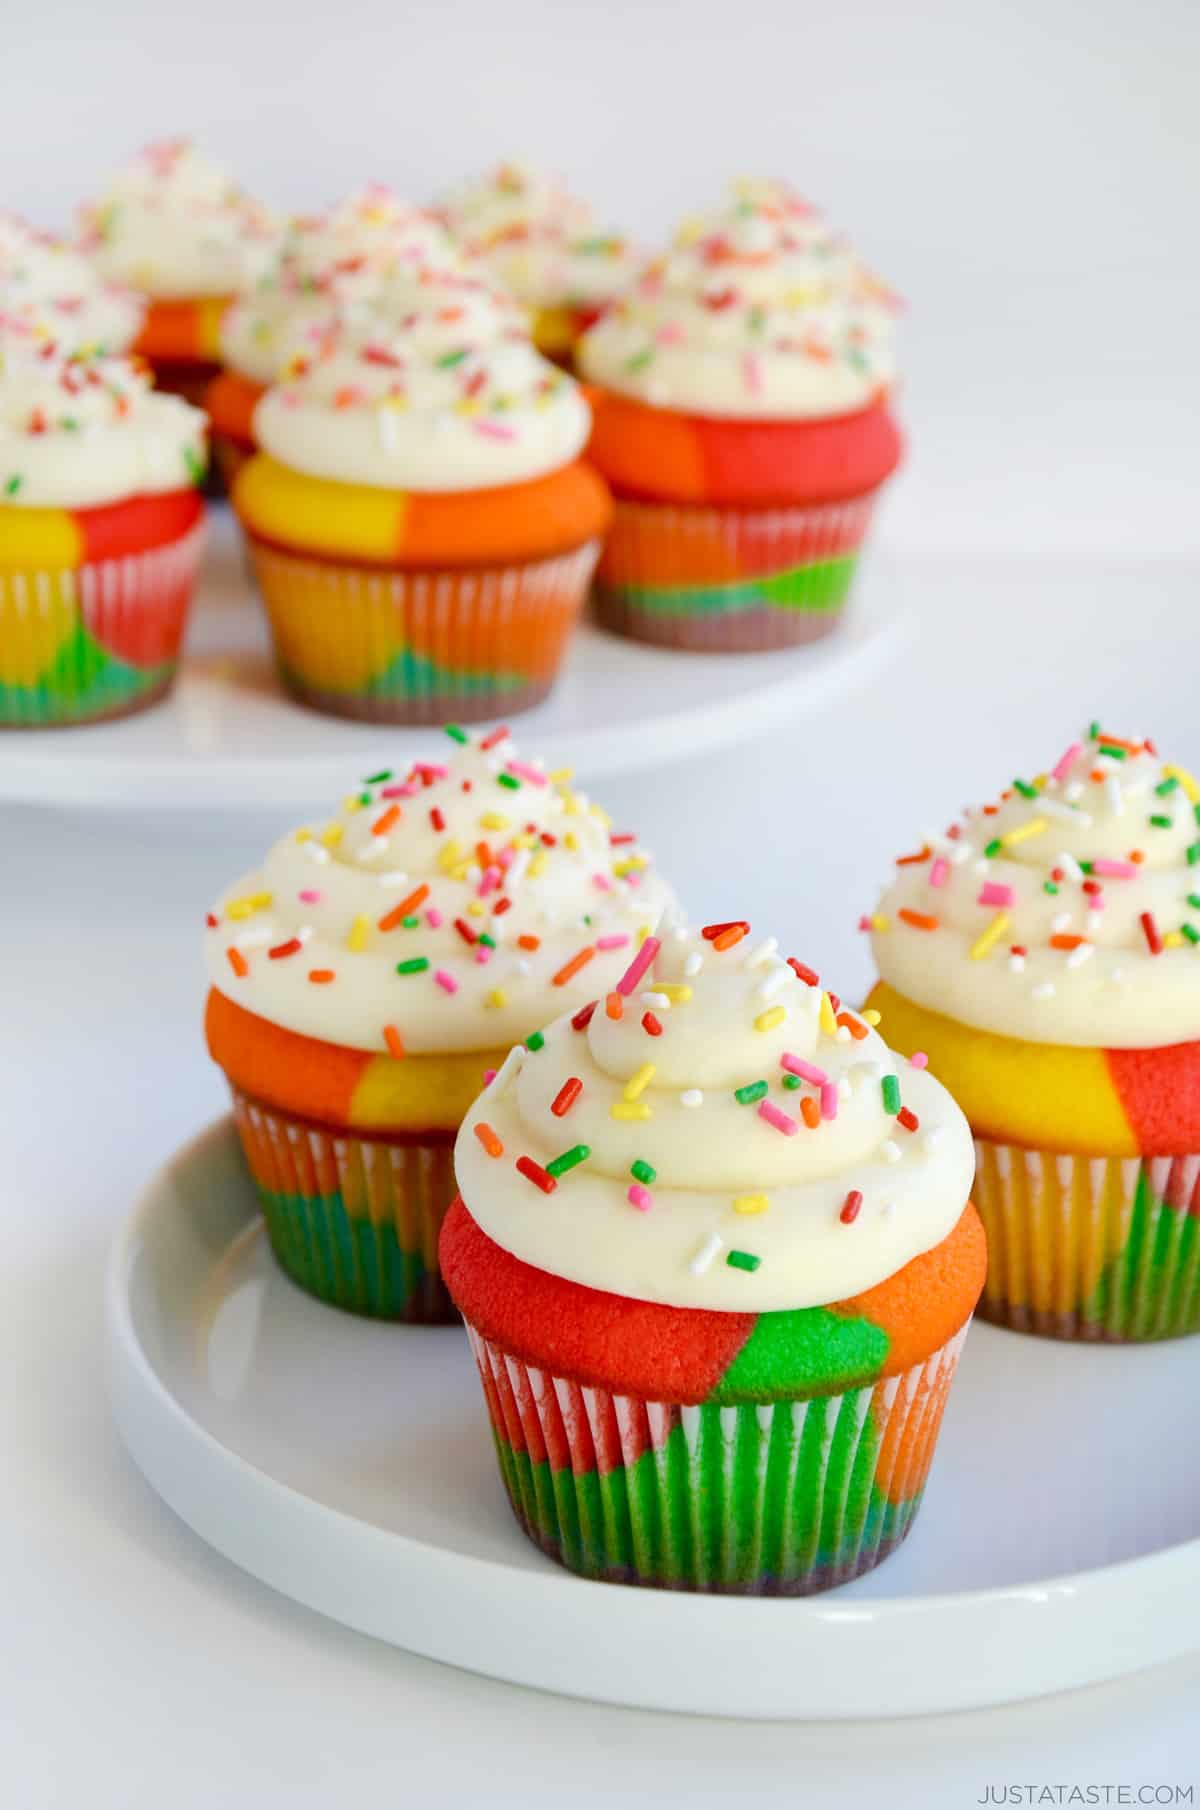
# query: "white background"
1026,175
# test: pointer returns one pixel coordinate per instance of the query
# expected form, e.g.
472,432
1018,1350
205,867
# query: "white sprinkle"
521,966
1112,794
1093,921
933,1137
1070,866
1084,953
1045,991
386,424
889,1150
392,878
705,1254
304,934
959,853
1075,790
982,865
372,850
317,853
1064,813
1060,921
660,1001
691,1096
1016,964
761,952
843,1034
254,939
474,874
693,964
516,869
777,978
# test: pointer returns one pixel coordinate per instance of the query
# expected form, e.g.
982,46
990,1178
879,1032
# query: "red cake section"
1159,1091
137,524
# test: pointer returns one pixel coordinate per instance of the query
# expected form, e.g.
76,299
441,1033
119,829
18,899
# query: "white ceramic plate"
349,1465
229,738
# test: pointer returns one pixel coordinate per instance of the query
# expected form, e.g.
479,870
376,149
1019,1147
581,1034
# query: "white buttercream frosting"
511,877
689,1161
174,225
78,431
759,310
1067,912
50,286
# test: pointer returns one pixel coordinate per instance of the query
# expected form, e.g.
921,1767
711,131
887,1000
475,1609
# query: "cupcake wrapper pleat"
1097,1248
353,1220
396,646
766,1499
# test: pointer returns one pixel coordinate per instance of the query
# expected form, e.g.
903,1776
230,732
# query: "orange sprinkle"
1136,854
1059,941
729,937
320,977
810,1112
483,854
394,1041
391,918
1114,741
238,962
383,823
857,1030
1096,775
990,810
914,860
488,1139
920,920
614,1007
529,942
570,969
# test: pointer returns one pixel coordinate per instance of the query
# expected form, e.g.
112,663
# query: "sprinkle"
237,909
918,1059
1150,931
693,964
751,1203
691,1097
1114,870
675,993
456,734
570,1159
871,1016
523,770
1023,831
642,1172
639,1081
847,1022
332,836
533,1172
751,1093
807,1071
730,936
1044,991
385,821
889,1151
827,1016
1190,788
851,1207
570,969
638,966
1060,940
605,943
1066,761
743,1260
494,738
921,855
394,1041
652,1025
416,964
629,1109
891,1093
984,943
237,962
640,1197
535,1041
991,893
399,912
810,1112
510,780
778,1119
529,942
908,1118
1193,854
321,977
281,951
445,980
829,1101
802,972
704,1254
566,1096
488,1139
920,920
1190,932
583,1017
766,1021
497,997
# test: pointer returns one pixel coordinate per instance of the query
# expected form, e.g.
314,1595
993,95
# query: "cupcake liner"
729,579
389,645
79,644
354,1220
1084,1247
766,1499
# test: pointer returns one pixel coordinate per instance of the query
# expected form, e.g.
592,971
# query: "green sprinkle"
1093,733
448,360
1193,854
196,464
1025,789
1160,822
1050,887
570,1159
1191,933
456,734
1165,787
416,964
13,485
510,780
743,1260
378,779
1193,900
535,1042
642,1172
410,923
791,1082
753,1090
1112,753
640,360
1196,811
993,847
891,1094
1088,866
489,942
366,798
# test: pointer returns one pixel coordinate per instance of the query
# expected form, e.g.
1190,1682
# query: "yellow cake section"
421,1093
39,539
340,520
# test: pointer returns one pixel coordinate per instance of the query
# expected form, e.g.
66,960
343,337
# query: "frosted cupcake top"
453,905
336,260
538,239
47,283
716,1131
76,431
1066,912
439,392
759,310
175,226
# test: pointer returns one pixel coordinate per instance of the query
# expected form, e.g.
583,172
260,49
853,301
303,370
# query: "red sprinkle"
281,950
494,739
465,931
500,907
651,1025
808,975
1154,942
908,1118
583,1017
533,1172
210,920
238,963
566,1096
850,1207
436,818
711,932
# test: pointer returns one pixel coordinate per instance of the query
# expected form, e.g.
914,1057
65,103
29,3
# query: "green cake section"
351,1262
85,680
820,586
410,675
801,1352
1151,1288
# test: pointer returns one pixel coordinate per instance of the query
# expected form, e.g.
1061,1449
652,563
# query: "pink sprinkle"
432,770
807,1071
1067,762
603,882
310,897
489,1075
939,873
445,981
671,333
506,857
433,918
494,430
482,953
1095,901
640,1197
752,373
1115,870
635,878
992,893
638,966
918,1059
521,769
492,877
829,1100
408,790
612,942
771,1113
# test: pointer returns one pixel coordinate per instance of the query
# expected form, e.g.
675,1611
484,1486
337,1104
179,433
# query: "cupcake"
100,531
544,245
323,262
48,287
420,525
372,970
1042,952
175,227
716,1258
742,421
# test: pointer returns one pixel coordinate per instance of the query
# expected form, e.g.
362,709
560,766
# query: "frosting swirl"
458,904
337,260
1066,912
77,431
724,1135
174,225
758,311
49,286
402,399
538,239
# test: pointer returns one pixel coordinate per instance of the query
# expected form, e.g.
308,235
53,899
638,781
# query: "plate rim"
1158,1580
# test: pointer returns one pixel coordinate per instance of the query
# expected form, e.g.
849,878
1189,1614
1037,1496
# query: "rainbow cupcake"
716,1258
370,973
421,527
101,528
742,421
1043,952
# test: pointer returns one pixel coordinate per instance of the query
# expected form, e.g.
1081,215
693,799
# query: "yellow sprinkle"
639,1081
246,907
492,820
524,840
766,1021
460,872
332,835
598,811
1039,781
751,1203
571,841
643,931
570,804
561,776
537,865
468,406
497,997
1173,939
879,922
990,937
1191,789
303,835
871,1016
630,865
675,991
449,853
629,1109
356,941
828,1016
351,803
1024,831
476,908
